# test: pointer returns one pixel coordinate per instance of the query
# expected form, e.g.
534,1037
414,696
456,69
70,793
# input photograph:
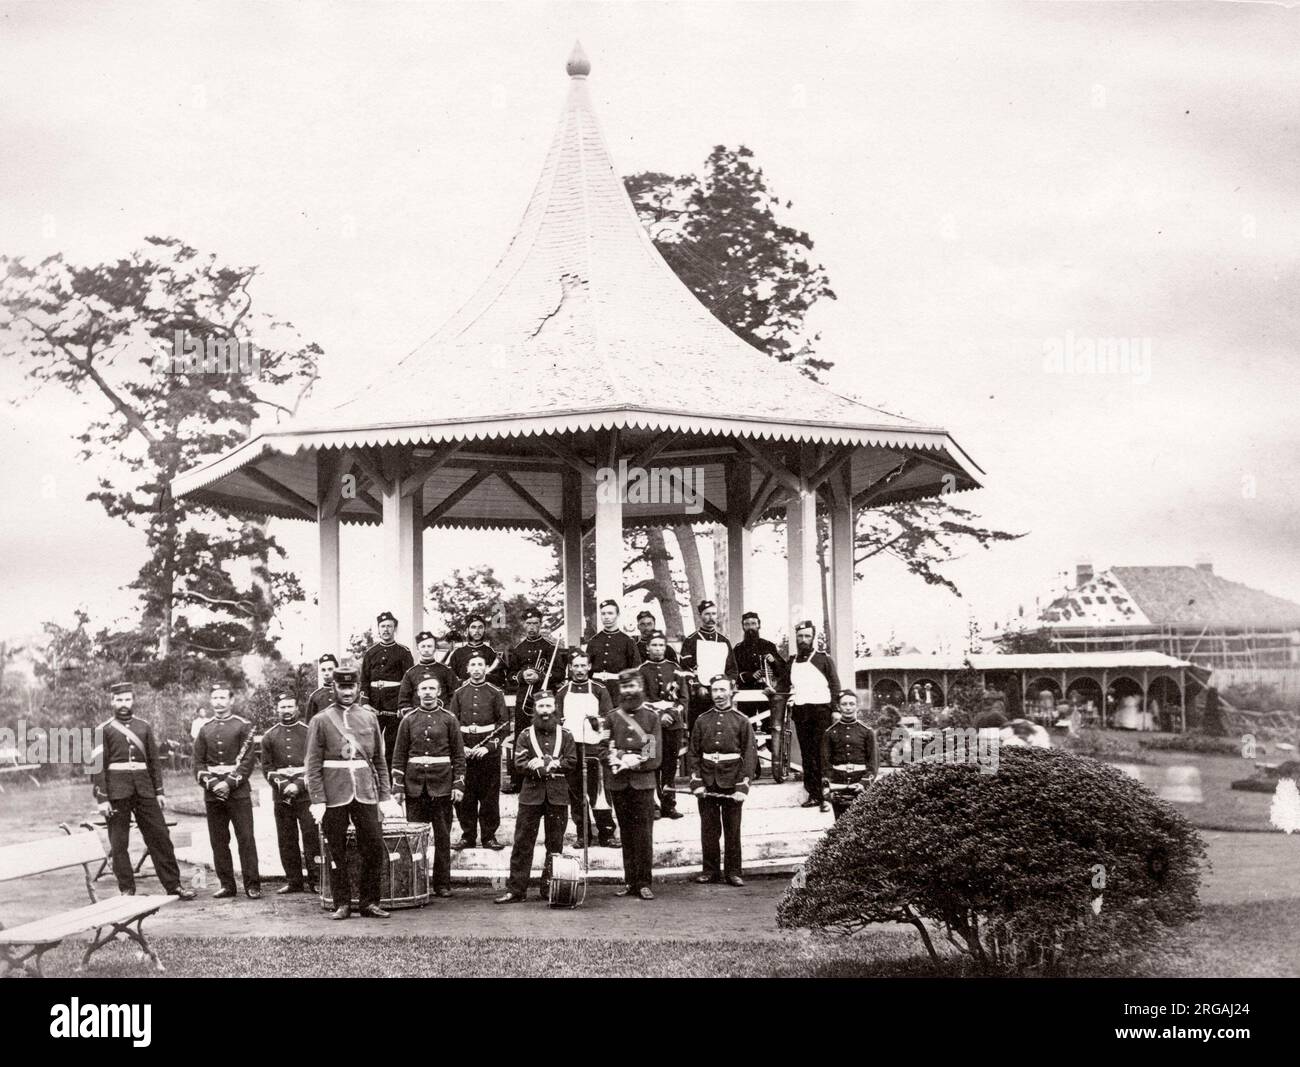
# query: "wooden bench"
23,946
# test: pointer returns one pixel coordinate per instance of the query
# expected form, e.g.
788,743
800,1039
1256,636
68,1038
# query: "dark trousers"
370,846
635,809
237,811
604,827
666,776
527,821
388,725
720,819
811,721
695,707
776,724
153,828
291,820
481,808
436,811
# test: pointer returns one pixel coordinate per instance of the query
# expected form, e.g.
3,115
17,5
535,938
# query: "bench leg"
123,930
99,942
137,935
18,961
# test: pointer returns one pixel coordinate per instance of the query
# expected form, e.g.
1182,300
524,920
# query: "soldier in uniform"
323,697
659,678
427,666
480,708
723,755
284,762
635,746
475,628
129,781
706,653
347,780
813,680
429,773
382,669
532,669
223,763
849,755
645,626
584,706
757,661
544,756
611,651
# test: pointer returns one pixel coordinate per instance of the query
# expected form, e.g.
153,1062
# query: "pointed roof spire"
578,66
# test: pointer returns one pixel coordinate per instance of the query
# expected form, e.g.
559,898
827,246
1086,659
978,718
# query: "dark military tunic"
128,765
284,758
611,651
382,669
408,695
481,711
690,659
723,754
430,755
458,661
319,701
750,659
849,753
534,653
223,751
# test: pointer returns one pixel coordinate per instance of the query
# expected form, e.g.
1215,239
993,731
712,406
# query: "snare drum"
404,877
568,882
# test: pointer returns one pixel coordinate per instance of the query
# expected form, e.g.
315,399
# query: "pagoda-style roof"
580,327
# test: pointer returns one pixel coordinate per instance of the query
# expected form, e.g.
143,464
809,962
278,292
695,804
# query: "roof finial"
578,66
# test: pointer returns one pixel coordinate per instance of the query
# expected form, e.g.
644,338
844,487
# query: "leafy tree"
722,233
1034,642
107,332
478,591
966,695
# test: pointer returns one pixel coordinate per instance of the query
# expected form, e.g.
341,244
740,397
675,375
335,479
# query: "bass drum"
568,882
404,877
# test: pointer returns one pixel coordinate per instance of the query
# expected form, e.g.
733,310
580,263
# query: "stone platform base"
777,835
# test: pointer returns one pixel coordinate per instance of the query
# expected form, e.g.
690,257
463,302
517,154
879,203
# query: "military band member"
662,687
129,781
532,668
812,682
849,755
583,706
284,762
645,626
347,780
611,651
382,669
761,667
429,773
223,763
475,628
706,653
635,746
427,666
544,756
322,697
723,756
480,708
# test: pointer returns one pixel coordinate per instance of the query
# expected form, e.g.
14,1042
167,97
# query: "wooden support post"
571,523
327,528
609,525
738,548
842,639
802,571
403,534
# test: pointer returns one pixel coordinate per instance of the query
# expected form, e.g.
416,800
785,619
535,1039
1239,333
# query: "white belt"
289,770
378,684
347,764
721,757
473,729
222,768
849,768
429,760
128,767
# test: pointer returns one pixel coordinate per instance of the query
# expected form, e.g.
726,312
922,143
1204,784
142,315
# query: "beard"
629,700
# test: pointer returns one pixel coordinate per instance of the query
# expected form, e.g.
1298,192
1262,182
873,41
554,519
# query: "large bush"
1007,866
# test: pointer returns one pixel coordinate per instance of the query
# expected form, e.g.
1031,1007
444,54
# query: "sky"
993,189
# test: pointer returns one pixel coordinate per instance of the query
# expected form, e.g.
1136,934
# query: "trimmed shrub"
1210,746
1008,865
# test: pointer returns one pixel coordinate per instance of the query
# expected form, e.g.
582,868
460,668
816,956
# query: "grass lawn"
1231,941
